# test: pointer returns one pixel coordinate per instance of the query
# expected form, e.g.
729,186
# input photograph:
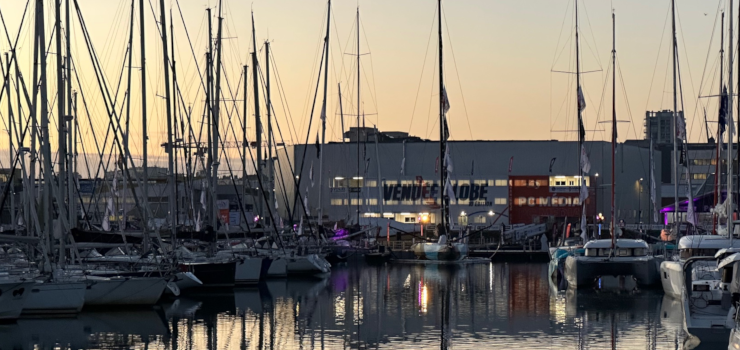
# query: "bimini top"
707,242
620,243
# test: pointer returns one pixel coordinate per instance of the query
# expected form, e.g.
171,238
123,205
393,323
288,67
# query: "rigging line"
593,37
421,76
629,112
657,58
457,73
283,98
560,35
688,67
320,43
308,132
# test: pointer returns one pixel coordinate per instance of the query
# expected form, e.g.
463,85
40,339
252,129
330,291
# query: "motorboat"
671,269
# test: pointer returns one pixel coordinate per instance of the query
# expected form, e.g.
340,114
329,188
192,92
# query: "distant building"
659,126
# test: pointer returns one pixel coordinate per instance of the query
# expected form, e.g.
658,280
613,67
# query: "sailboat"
444,248
606,257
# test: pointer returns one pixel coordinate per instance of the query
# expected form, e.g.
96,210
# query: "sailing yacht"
606,257
445,248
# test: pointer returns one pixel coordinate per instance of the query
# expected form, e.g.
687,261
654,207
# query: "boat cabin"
623,247
704,245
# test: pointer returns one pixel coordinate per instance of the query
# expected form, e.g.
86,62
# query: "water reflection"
394,306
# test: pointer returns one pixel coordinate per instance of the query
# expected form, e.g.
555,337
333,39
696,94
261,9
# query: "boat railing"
397,245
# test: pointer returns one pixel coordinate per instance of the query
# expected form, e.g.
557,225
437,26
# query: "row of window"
340,182
695,176
374,201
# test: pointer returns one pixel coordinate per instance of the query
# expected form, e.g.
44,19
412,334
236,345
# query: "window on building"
372,201
499,201
371,183
479,219
339,182
336,201
502,183
699,176
520,183
356,182
409,219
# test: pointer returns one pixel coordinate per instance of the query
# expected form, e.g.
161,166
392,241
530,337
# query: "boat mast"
62,139
71,180
245,184
211,202
268,105
675,118
445,212
11,149
145,162
126,134
581,129
216,116
323,116
614,122
257,120
722,101
359,192
730,203
46,204
170,148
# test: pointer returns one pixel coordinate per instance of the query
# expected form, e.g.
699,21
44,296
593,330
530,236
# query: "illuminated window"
500,201
371,183
339,182
520,183
337,201
372,201
502,183
356,182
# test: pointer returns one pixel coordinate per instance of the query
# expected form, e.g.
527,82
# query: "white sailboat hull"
56,298
248,270
13,296
671,277
124,291
308,264
278,268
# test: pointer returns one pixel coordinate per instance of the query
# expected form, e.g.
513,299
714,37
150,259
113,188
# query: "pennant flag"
448,160
446,129
584,192
581,100
723,113
511,163
584,225
585,163
445,101
581,131
310,174
552,162
318,146
449,191
323,112
680,127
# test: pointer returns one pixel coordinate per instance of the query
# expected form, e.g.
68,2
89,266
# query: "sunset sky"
499,57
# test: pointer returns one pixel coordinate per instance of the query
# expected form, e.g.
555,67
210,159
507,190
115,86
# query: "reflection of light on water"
423,298
490,276
359,314
339,309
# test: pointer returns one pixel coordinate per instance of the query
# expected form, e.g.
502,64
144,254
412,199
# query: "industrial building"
397,177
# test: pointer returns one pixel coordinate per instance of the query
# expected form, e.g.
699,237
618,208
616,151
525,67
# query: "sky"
499,63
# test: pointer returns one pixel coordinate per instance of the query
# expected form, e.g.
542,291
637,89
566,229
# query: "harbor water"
395,306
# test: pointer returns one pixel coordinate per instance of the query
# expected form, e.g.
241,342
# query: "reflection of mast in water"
446,333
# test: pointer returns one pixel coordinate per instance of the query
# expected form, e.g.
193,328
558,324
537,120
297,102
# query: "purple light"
256,218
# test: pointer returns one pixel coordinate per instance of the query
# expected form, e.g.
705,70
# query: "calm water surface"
486,306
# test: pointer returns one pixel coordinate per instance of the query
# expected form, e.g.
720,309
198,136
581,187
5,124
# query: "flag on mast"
585,163
448,159
310,174
445,101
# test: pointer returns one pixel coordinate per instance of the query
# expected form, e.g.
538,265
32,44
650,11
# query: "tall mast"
245,181
675,114
209,118
270,187
717,175
581,129
71,180
175,112
614,122
257,120
145,163
445,212
62,159
11,149
216,113
730,152
45,146
170,148
128,112
323,115
359,192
